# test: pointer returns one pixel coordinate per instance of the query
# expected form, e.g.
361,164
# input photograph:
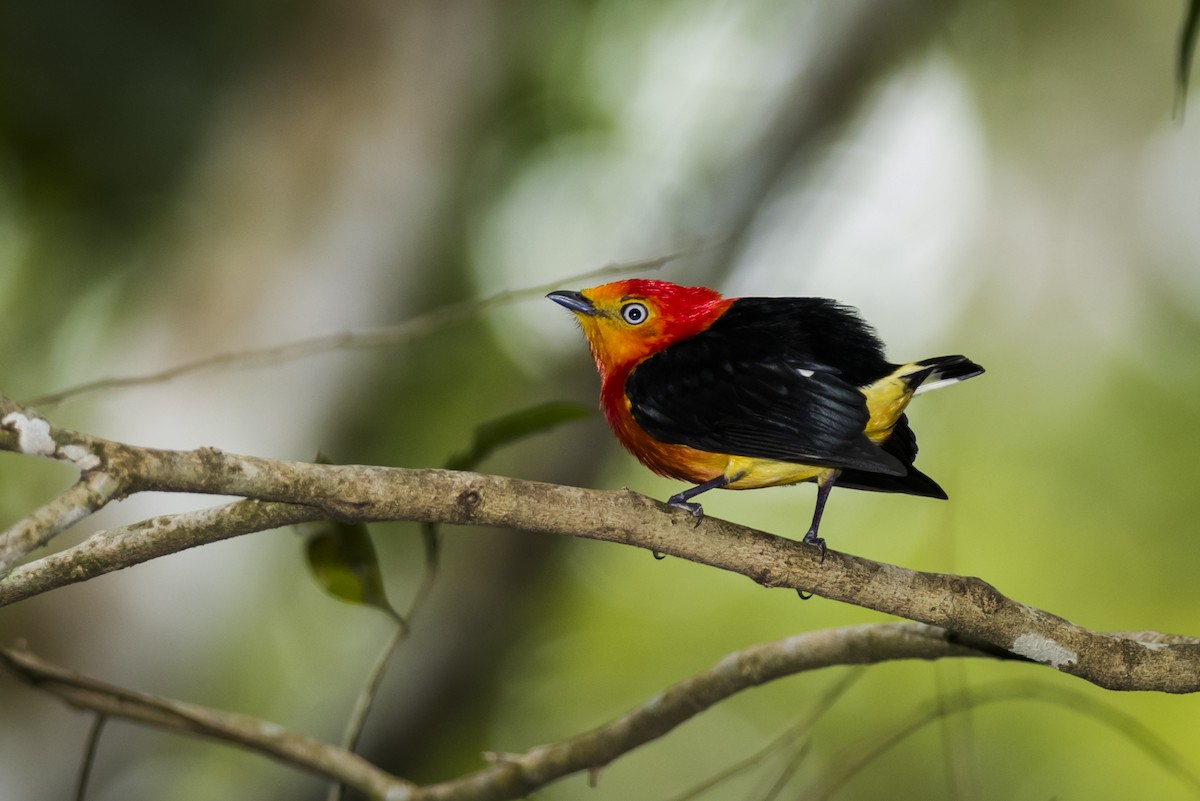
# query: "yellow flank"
755,473
887,399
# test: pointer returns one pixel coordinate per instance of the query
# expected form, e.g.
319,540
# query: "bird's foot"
811,538
692,508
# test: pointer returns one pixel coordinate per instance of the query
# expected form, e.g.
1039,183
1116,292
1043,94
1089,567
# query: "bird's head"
626,321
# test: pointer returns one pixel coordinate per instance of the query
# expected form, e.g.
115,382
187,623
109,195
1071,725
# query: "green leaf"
342,558
511,427
1188,31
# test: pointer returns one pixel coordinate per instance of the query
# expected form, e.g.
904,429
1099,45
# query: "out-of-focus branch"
382,337
515,775
510,775
966,605
265,738
861,42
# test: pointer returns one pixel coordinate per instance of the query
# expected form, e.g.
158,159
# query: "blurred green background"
1002,179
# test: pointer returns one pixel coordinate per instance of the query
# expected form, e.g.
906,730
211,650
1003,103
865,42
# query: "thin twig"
789,770
366,698
789,735
1124,724
89,755
267,739
380,337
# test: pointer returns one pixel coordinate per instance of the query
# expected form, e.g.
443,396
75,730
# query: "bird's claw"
692,508
811,538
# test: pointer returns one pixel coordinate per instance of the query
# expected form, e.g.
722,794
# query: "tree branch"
381,337
513,775
119,548
89,494
268,739
966,605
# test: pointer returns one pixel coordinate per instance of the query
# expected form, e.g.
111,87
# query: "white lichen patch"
1154,646
33,434
1043,649
271,730
79,456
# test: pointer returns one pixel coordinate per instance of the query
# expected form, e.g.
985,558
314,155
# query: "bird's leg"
823,488
680,500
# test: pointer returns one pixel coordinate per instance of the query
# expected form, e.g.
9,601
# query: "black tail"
903,445
941,371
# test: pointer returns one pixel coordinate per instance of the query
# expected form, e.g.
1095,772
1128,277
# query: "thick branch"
969,606
516,775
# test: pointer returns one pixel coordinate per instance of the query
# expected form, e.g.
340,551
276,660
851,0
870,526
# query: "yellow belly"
755,473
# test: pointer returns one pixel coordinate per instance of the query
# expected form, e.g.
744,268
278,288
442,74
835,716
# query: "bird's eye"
634,313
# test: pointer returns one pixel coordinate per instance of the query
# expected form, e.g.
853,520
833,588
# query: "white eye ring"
634,313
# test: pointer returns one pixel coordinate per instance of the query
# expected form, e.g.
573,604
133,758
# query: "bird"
753,392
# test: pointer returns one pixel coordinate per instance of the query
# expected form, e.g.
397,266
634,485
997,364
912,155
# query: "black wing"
753,384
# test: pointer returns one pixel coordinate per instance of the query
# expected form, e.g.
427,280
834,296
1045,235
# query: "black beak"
575,301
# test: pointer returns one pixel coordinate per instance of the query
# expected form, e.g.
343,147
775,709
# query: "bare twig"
382,337
789,737
362,706
1145,738
259,736
293,491
89,756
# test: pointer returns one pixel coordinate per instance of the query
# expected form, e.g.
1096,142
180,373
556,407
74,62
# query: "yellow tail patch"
887,399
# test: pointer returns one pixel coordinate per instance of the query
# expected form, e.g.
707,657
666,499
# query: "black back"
773,378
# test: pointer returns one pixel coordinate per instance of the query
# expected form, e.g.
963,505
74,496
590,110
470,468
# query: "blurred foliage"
513,427
103,106
178,181
1188,32
342,558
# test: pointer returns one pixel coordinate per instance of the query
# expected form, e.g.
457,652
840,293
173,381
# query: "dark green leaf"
1188,32
342,558
511,427
494,434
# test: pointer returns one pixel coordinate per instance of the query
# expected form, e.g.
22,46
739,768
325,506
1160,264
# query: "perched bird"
742,393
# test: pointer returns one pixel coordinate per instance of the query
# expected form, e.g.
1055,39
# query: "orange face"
626,321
